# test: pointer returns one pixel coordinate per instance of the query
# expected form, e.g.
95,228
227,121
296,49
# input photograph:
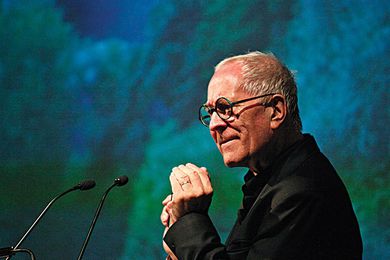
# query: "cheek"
256,134
259,137
214,136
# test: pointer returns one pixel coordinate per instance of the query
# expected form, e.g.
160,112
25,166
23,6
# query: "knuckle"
198,194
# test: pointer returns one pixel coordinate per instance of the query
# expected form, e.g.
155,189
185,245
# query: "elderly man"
295,206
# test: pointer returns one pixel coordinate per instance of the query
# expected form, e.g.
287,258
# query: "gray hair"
264,73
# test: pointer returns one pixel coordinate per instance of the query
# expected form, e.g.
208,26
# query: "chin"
233,162
234,156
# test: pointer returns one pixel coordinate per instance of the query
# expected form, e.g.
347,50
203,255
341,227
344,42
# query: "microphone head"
86,185
121,180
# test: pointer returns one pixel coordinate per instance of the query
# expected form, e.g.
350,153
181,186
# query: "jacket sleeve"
286,230
194,236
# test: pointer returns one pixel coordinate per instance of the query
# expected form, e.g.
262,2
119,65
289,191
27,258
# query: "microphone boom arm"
120,181
39,217
85,185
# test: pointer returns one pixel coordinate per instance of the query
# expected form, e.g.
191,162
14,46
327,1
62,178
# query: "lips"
226,140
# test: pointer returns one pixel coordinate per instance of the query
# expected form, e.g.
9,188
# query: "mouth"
227,140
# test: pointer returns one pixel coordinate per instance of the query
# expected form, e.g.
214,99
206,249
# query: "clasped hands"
191,192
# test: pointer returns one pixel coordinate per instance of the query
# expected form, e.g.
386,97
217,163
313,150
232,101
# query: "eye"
223,107
209,110
205,114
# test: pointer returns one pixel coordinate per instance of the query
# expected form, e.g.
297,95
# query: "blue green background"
94,89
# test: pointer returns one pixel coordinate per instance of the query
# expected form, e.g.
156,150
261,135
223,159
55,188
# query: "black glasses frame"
211,110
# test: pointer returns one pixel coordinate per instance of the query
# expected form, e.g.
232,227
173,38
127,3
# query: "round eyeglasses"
223,108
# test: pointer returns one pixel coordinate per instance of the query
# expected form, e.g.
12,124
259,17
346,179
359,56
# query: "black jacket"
297,209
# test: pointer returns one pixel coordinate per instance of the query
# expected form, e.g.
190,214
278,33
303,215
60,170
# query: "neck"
281,141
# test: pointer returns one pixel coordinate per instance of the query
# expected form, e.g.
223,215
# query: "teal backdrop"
93,89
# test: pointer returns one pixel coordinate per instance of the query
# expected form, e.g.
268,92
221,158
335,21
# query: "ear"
279,106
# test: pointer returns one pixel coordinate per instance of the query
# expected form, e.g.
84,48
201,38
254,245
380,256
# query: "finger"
200,170
193,176
176,187
203,175
169,210
167,199
182,177
178,172
164,217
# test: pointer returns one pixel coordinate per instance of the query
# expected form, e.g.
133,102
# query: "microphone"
85,185
120,181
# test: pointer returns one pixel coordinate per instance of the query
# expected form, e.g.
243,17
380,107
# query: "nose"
216,122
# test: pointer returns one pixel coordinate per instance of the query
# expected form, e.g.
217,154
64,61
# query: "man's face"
242,138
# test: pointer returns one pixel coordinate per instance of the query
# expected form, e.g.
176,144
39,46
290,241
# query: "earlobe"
279,106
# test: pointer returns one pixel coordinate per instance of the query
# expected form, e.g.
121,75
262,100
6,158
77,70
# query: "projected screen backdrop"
98,89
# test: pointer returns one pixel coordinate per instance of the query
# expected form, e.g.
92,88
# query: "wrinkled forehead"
226,82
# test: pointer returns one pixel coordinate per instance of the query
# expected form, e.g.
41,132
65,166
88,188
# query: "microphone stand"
9,251
40,216
118,182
